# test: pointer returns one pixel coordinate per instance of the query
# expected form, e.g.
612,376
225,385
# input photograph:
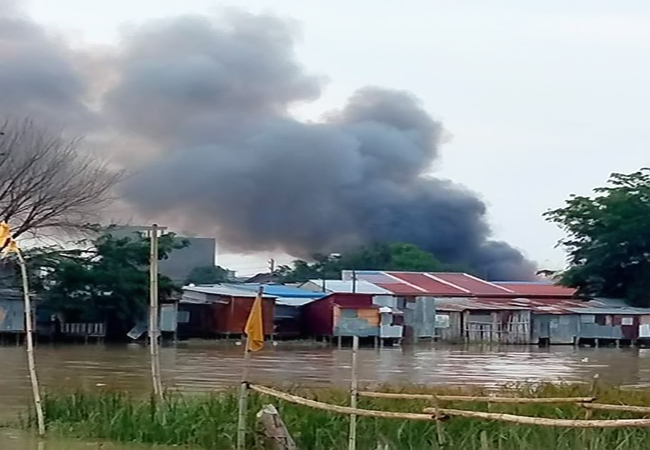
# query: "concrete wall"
201,252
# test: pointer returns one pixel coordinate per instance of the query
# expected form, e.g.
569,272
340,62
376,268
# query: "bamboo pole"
621,408
546,422
243,393
439,431
29,330
154,313
340,409
354,387
464,398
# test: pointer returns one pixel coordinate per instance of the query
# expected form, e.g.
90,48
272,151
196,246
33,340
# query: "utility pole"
154,311
354,281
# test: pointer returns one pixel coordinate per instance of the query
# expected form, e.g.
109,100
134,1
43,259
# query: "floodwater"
209,367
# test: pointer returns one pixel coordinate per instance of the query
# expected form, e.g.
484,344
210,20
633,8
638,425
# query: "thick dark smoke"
214,99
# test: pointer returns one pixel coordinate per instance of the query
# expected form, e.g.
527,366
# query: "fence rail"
471,399
340,409
436,414
84,329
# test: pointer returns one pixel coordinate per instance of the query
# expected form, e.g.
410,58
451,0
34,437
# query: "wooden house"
220,311
288,309
342,315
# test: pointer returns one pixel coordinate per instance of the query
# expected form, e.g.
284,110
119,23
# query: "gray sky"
542,99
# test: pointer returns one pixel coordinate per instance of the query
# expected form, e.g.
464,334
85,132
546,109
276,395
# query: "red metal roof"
473,284
444,284
541,289
398,288
428,285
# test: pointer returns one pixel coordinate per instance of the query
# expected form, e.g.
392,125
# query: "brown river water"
208,367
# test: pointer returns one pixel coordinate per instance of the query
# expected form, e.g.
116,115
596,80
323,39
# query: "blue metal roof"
280,290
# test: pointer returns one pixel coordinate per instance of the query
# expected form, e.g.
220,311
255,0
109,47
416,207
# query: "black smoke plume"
213,99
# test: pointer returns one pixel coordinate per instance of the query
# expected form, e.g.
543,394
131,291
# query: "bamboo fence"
470,399
438,413
545,422
340,409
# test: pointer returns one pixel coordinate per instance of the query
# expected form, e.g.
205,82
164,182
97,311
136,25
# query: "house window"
442,320
349,313
183,316
588,318
398,320
627,321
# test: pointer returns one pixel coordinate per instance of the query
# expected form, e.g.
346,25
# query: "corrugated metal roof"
227,291
467,304
346,287
294,301
425,284
431,283
279,290
538,306
473,284
538,288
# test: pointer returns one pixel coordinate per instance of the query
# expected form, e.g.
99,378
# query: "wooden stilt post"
154,313
243,393
354,388
29,332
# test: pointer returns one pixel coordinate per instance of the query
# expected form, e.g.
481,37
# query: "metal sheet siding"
424,317
237,312
360,322
318,317
453,333
558,329
168,318
12,316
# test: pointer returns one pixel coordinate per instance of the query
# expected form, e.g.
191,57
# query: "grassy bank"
209,422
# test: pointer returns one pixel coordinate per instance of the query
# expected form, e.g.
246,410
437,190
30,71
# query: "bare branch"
47,182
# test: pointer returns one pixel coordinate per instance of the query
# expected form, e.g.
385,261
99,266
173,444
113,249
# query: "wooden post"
29,330
354,388
154,313
439,433
275,430
243,392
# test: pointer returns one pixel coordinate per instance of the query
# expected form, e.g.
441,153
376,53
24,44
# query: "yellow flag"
5,233
10,248
255,326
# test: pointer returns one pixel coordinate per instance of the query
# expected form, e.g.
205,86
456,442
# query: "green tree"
208,275
608,239
378,256
107,282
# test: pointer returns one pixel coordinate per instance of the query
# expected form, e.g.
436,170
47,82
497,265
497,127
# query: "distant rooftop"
537,288
349,286
224,290
430,283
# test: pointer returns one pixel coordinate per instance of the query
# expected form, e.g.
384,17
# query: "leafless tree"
46,181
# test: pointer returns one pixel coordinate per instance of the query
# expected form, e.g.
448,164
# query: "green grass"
210,421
